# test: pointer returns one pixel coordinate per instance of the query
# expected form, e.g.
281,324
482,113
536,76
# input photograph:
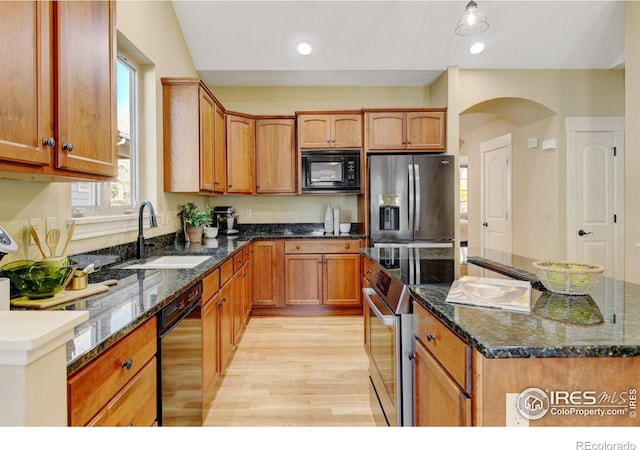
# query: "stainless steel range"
390,324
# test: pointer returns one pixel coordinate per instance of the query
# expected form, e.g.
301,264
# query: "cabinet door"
225,325
240,154
265,273
386,130
275,156
341,280
207,141
210,347
220,152
26,77
247,292
314,131
438,401
346,130
303,279
238,298
86,101
426,130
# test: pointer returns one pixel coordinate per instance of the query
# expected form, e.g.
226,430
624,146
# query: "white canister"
328,219
5,294
336,221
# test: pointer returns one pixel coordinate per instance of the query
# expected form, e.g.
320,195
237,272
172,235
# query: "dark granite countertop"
140,294
547,331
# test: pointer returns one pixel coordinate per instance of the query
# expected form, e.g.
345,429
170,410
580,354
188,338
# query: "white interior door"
495,156
595,189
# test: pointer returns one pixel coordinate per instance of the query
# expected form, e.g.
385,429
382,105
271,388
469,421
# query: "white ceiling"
391,43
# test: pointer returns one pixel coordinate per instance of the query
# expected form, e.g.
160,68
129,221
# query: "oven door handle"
375,303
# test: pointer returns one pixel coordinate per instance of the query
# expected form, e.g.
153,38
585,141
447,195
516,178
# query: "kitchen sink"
171,262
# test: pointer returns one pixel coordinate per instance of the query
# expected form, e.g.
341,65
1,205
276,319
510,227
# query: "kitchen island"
539,363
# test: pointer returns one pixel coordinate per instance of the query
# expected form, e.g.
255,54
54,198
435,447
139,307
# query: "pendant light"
472,22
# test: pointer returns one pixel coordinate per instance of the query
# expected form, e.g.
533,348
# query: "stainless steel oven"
390,335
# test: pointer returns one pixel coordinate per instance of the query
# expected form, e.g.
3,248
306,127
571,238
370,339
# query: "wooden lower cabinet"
225,323
267,272
322,272
210,340
439,401
113,389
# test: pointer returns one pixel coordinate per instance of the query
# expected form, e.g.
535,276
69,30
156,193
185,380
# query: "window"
118,197
463,191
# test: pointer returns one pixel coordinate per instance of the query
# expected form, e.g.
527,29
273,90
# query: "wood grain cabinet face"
96,386
322,272
406,130
265,273
240,154
323,131
194,138
275,156
442,373
76,39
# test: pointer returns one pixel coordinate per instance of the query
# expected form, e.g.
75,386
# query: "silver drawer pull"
127,364
431,337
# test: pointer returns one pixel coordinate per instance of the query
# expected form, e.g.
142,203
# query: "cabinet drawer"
444,345
210,285
367,267
246,252
135,405
238,260
94,386
226,271
322,246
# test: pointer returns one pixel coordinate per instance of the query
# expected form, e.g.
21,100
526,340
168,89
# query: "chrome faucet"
152,223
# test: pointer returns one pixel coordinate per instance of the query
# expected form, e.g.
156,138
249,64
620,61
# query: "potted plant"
194,220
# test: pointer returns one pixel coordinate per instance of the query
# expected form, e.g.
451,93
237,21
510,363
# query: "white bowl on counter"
210,232
345,227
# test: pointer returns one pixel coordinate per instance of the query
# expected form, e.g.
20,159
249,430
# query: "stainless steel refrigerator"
411,198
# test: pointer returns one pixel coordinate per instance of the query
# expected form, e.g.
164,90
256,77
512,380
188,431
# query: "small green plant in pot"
194,220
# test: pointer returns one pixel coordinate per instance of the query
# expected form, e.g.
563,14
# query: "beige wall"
538,176
632,142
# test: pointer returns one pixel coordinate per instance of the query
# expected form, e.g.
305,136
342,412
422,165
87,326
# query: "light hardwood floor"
296,371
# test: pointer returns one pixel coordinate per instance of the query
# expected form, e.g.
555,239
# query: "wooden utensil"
66,244
36,239
53,237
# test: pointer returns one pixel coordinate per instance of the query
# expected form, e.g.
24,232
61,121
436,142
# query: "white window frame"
115,220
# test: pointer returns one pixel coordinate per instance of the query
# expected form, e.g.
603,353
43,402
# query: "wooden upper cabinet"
86,125
192,134
27,82
275,156
220,152
78,40
322,131
415,130
240,154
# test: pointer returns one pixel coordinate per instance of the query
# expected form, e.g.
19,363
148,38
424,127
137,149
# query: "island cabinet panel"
60,90
608,384
193,137
330,130
92,388
442,373
276,156
267,273
406,130
240,154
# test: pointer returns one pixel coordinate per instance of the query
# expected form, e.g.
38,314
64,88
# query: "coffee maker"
224,217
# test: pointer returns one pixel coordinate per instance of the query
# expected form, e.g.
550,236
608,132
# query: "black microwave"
330,171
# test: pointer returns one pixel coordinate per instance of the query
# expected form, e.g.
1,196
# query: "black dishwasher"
180,360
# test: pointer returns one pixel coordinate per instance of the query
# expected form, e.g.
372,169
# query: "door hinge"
615,151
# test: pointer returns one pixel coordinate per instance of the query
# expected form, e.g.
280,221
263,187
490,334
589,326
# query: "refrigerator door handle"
411,197
417,197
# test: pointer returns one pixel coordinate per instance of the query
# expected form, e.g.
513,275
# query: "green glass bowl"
42,279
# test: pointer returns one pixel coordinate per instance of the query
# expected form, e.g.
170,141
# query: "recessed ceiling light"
304,48
476,48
